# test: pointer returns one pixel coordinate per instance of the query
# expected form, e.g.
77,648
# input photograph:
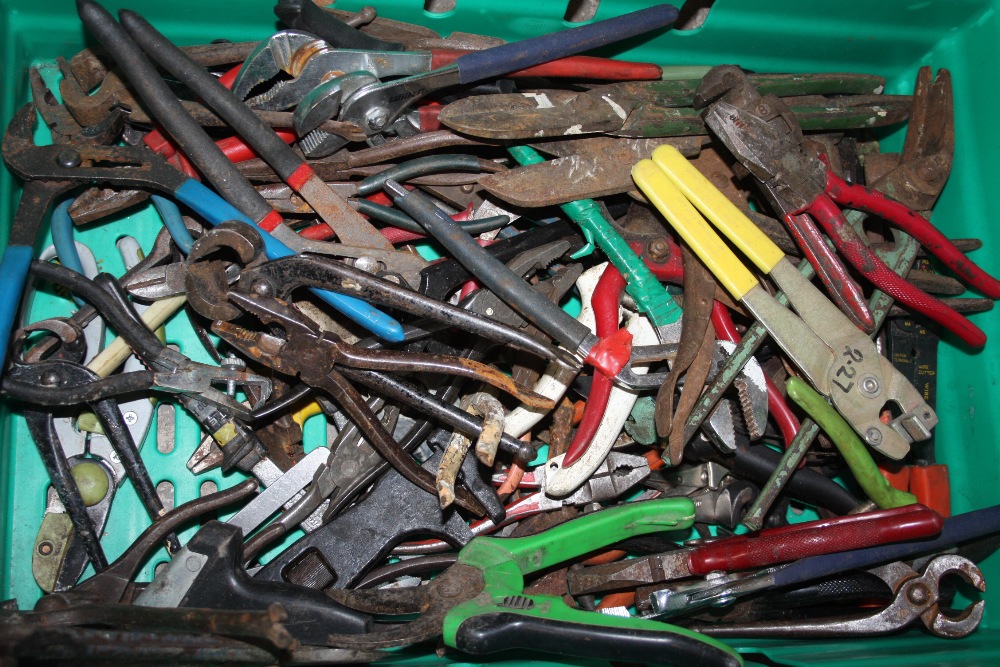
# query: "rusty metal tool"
376,105
914,177
584,168
208,574
663,108
611,355
242,201
110,585
313,356
614,476
339,552
351,228
958,529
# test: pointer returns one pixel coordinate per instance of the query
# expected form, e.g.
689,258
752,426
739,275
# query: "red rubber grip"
815,538
917,226
574,67
862,258
839,285
429,116
237,151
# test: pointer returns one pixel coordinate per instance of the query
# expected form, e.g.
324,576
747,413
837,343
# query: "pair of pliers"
663,108
837,358
917,595
764,135
478,605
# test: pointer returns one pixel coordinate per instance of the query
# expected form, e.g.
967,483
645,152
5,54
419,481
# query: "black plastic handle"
957,529
501,631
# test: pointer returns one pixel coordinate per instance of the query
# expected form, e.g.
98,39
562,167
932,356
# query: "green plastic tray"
892,38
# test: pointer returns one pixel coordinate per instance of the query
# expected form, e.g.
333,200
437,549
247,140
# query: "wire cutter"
479,606
837,358
765,136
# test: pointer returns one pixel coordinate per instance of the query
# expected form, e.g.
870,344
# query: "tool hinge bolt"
49,379
68,158
659,250
233,363
918,594
873,436
262,288
376,118
869,386
450,589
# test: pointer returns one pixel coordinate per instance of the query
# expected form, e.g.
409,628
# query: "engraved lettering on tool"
407,95
846,369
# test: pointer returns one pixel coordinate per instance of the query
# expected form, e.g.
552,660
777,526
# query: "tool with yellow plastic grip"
833,354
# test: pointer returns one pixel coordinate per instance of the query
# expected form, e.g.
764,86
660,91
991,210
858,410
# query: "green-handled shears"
478,605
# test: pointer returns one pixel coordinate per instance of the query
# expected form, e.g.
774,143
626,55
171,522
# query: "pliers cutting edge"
837,358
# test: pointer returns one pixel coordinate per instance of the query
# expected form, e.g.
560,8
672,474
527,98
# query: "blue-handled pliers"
50,171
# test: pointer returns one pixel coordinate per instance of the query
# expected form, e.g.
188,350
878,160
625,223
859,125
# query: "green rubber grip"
855,453
640,283
577,537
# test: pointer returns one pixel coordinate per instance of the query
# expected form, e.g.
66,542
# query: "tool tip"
394,188
392,331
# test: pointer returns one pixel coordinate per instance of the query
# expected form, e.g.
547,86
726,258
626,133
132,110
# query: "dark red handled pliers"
765,137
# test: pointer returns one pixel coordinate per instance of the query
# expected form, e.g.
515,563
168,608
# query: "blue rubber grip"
14,270
506,58
216,210
957,529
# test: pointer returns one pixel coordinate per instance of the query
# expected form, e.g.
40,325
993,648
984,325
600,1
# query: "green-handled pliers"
650,296
478,605
857,456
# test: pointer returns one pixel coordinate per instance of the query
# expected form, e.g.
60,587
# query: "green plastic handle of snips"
651,297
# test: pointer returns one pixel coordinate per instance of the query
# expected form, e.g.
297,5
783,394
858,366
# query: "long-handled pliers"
837,358
764,135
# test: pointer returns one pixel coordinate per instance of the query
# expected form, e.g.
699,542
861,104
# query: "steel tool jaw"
263,348
271,57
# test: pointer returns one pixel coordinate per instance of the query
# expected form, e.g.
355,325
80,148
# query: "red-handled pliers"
604,301
765,136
